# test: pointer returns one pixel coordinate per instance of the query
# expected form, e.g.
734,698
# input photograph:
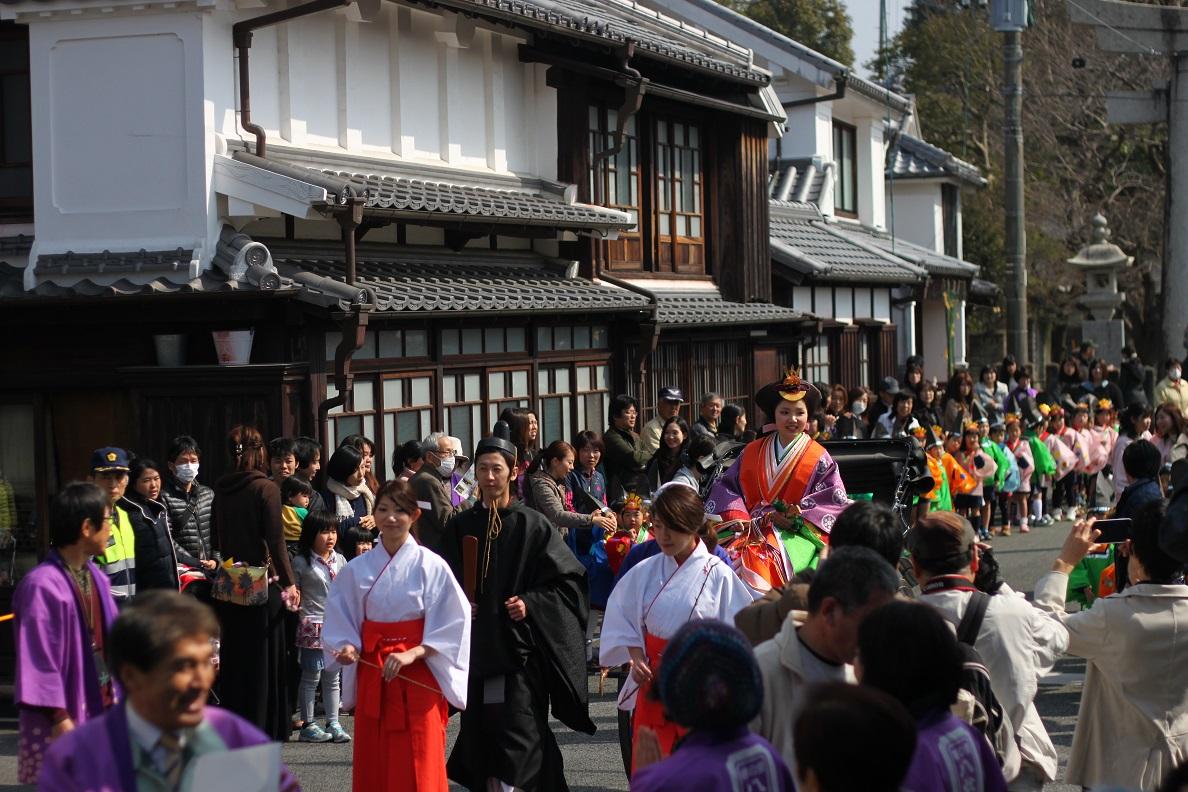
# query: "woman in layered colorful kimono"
787,477
657,596
399,613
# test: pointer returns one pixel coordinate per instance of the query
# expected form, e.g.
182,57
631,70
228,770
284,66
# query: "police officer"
109,469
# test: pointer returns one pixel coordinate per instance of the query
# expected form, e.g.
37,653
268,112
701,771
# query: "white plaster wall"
872,207
918,216
118,133
934,339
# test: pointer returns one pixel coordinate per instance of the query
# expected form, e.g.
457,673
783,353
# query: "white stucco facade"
138,103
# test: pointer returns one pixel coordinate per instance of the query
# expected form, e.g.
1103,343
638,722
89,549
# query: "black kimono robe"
519,669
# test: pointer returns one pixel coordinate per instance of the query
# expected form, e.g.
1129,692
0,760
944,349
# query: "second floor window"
950,212
678,197
657,177
845,157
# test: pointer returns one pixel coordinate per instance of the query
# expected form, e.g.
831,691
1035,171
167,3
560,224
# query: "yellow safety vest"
119,559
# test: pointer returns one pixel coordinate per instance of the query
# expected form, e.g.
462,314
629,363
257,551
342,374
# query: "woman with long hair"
246,523
347,495
652,600
366,447
926,409
546,491
959,402
1133,424
399,614
525,435
668,459
1168,424
732,425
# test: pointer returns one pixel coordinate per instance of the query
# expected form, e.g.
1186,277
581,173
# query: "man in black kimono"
528,638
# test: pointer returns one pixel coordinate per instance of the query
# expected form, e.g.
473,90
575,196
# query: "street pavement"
593,763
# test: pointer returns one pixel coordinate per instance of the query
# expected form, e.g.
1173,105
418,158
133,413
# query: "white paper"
255,769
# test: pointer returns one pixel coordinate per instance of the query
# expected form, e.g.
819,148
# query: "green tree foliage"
823,25
1076,163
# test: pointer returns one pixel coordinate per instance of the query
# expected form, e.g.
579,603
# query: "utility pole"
1162,31
1010,18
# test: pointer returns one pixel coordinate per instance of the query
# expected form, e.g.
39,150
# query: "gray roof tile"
393,193
713,311
913,158
817,251
11,287
800,180
429,281
614,22
134,263
935,263
466,202
15,245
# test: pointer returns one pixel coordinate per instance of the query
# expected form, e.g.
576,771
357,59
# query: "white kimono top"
412,584
659,596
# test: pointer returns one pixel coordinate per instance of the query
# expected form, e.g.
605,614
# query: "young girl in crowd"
1007,478
316,565
295,495
1133,424
975,461
1062,443
1020,449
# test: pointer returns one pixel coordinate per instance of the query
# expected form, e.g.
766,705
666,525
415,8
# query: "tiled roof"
614,22
134,263
391,193
913,158
801,180
935,263
11,286
15,245
984,292
813,250
710,311
431,281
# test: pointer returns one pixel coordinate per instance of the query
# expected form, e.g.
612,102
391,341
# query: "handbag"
243,585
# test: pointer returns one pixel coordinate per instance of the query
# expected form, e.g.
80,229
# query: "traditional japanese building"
419,213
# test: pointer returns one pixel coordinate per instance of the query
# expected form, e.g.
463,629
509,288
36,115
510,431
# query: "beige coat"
786,682
1133,723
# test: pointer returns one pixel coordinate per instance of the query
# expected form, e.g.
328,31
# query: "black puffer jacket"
189,519
156,565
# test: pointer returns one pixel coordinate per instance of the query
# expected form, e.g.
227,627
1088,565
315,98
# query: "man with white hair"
432,487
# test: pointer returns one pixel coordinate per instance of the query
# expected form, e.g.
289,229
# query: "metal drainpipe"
354,332
634,88
241,36
839,81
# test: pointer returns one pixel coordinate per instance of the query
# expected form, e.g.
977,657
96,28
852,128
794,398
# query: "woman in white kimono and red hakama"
684,583
399,612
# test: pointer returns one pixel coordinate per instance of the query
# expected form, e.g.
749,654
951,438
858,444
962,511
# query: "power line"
1150,50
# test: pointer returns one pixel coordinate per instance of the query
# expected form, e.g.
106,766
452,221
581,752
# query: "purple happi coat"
55,665
734,761
98,756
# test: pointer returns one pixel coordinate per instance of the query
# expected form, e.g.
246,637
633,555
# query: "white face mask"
186,472
446,466
858,408
1173,373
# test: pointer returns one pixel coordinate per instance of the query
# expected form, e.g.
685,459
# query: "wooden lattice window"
679,184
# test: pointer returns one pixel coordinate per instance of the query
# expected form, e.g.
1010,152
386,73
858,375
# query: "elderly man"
1017,641
668,405
433,488
849,584
711,411
160,649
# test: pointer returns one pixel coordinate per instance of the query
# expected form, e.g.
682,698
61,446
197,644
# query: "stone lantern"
1101,261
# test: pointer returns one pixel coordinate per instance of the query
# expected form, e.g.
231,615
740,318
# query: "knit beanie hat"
709,678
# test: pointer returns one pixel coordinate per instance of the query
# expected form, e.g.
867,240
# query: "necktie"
169,759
